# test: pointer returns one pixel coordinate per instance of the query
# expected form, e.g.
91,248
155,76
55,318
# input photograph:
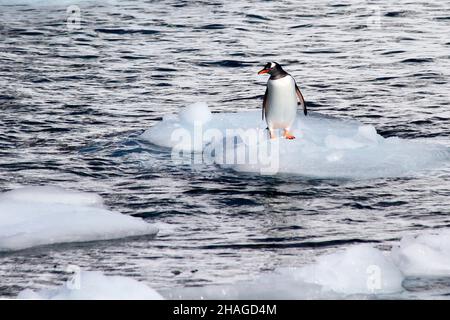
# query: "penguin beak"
263,71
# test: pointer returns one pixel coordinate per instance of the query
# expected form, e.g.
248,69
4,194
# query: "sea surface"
75,94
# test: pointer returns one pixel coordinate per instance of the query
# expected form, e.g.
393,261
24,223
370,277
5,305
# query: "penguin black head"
274,69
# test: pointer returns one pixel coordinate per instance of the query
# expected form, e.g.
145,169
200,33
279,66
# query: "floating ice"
35,216
358,270
52,195
425,255
49,2
325,147
95,286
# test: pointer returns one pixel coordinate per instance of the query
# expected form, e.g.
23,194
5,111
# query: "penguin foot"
287,135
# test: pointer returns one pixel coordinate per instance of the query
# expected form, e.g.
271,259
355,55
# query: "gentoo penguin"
280,100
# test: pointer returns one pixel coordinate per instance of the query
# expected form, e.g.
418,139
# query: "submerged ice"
35,216
324,147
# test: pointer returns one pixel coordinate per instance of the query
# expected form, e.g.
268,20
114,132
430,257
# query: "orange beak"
263,71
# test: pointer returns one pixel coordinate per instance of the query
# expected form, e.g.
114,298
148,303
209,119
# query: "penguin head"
271,68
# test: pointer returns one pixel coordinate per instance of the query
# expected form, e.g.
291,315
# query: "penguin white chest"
281,107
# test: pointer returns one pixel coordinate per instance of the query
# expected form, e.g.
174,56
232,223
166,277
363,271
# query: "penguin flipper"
264,106
301,99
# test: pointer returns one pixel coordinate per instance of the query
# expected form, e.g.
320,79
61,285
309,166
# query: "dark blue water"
74,101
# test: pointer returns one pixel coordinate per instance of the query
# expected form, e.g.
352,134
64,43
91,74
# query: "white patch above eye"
272,64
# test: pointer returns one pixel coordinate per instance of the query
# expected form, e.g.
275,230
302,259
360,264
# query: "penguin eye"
268,66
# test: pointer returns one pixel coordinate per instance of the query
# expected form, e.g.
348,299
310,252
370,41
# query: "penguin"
280,100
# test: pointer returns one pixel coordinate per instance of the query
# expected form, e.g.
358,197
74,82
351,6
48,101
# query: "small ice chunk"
42,2
94,285
424,255
197,113
360,269
35,216
52,195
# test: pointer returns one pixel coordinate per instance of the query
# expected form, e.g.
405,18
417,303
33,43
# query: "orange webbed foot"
288,135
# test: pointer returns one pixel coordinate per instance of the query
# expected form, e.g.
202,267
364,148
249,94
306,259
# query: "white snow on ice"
94,285
325,147
35,216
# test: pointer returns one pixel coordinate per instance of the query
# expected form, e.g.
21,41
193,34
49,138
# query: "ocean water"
75,97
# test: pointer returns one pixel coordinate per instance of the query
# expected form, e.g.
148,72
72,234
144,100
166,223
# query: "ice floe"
52,195
359,270
94,285
35,216
325,147
50,2
427,254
